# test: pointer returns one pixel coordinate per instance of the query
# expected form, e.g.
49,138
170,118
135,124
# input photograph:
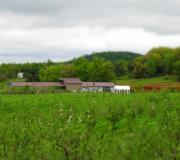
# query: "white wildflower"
80,120
69,119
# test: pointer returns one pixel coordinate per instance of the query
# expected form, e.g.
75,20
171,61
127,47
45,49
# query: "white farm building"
122,89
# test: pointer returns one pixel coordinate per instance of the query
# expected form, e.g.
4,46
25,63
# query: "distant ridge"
112,56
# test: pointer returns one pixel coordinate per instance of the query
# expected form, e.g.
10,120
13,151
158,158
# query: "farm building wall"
95,89
112,89
72,87
98,89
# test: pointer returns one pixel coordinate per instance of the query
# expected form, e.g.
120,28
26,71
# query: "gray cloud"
155,15
62,29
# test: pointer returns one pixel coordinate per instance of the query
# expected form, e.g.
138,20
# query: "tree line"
157,62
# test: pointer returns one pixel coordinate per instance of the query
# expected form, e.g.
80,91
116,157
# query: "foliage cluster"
158,61
90,126
106,66
113,56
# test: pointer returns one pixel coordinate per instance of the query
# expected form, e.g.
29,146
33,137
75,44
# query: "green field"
90,126
163,80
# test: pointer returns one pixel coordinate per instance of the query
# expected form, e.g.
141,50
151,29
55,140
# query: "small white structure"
122,89
20,75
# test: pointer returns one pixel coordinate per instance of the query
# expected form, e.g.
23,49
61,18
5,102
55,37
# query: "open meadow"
90,126
162,80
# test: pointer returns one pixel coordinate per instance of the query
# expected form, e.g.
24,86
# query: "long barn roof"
63,83
71,80
36,84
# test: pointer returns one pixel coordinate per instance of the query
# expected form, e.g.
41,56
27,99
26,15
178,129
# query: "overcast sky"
37,30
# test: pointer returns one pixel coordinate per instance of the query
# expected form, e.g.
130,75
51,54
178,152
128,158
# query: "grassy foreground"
90,126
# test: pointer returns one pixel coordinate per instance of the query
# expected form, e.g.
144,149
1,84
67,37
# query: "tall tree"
101,70
121,67
82,66
177,69
55,72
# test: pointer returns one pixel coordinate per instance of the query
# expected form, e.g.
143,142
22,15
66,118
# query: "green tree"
177,69
152,64
177,54
31,71
139,69
158,61
101,70
121,67
55,72
51,74
164,61
68,70
82,66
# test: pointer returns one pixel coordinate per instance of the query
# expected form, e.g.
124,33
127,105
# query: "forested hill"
102,67
112,56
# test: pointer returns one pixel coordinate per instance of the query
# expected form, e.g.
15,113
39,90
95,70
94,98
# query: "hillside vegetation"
112,56
105,66
90,126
